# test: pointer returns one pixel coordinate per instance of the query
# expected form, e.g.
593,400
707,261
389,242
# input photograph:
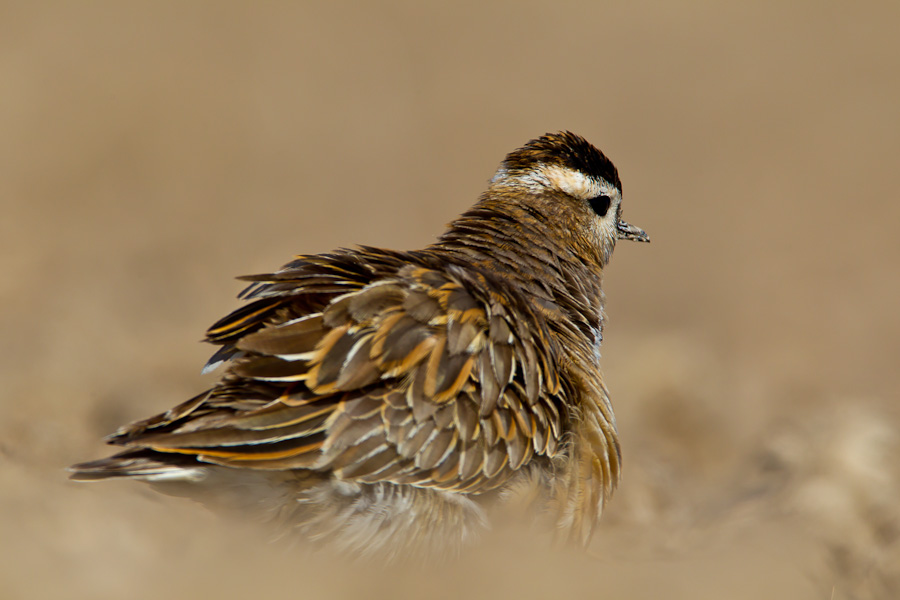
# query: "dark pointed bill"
627,231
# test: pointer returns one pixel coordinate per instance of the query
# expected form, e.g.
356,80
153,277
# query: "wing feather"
418,376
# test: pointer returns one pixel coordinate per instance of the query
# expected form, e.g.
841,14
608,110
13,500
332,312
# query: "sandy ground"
149,152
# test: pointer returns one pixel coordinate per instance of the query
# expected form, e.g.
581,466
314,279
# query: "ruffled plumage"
424,379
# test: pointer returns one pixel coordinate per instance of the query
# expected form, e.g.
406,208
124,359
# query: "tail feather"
145,465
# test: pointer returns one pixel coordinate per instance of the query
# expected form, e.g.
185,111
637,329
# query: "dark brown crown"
565,149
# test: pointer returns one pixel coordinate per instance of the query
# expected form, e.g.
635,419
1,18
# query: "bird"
376,401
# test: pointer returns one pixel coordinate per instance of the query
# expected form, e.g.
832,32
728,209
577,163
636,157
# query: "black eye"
600,205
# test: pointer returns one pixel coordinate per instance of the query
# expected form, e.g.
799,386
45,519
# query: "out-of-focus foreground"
149,152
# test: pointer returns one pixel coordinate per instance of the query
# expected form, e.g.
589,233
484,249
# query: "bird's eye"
600,205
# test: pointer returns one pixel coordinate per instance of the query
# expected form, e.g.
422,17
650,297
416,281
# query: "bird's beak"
626,231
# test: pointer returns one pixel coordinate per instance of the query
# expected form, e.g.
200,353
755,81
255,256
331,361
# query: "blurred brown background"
150,151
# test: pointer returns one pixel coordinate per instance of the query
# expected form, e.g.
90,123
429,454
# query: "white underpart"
388,520
598,341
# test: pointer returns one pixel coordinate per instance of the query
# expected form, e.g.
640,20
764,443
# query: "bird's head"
573,186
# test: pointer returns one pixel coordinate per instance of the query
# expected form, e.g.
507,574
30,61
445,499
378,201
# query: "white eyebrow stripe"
569,181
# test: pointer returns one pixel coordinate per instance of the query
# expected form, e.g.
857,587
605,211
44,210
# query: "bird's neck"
528,249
